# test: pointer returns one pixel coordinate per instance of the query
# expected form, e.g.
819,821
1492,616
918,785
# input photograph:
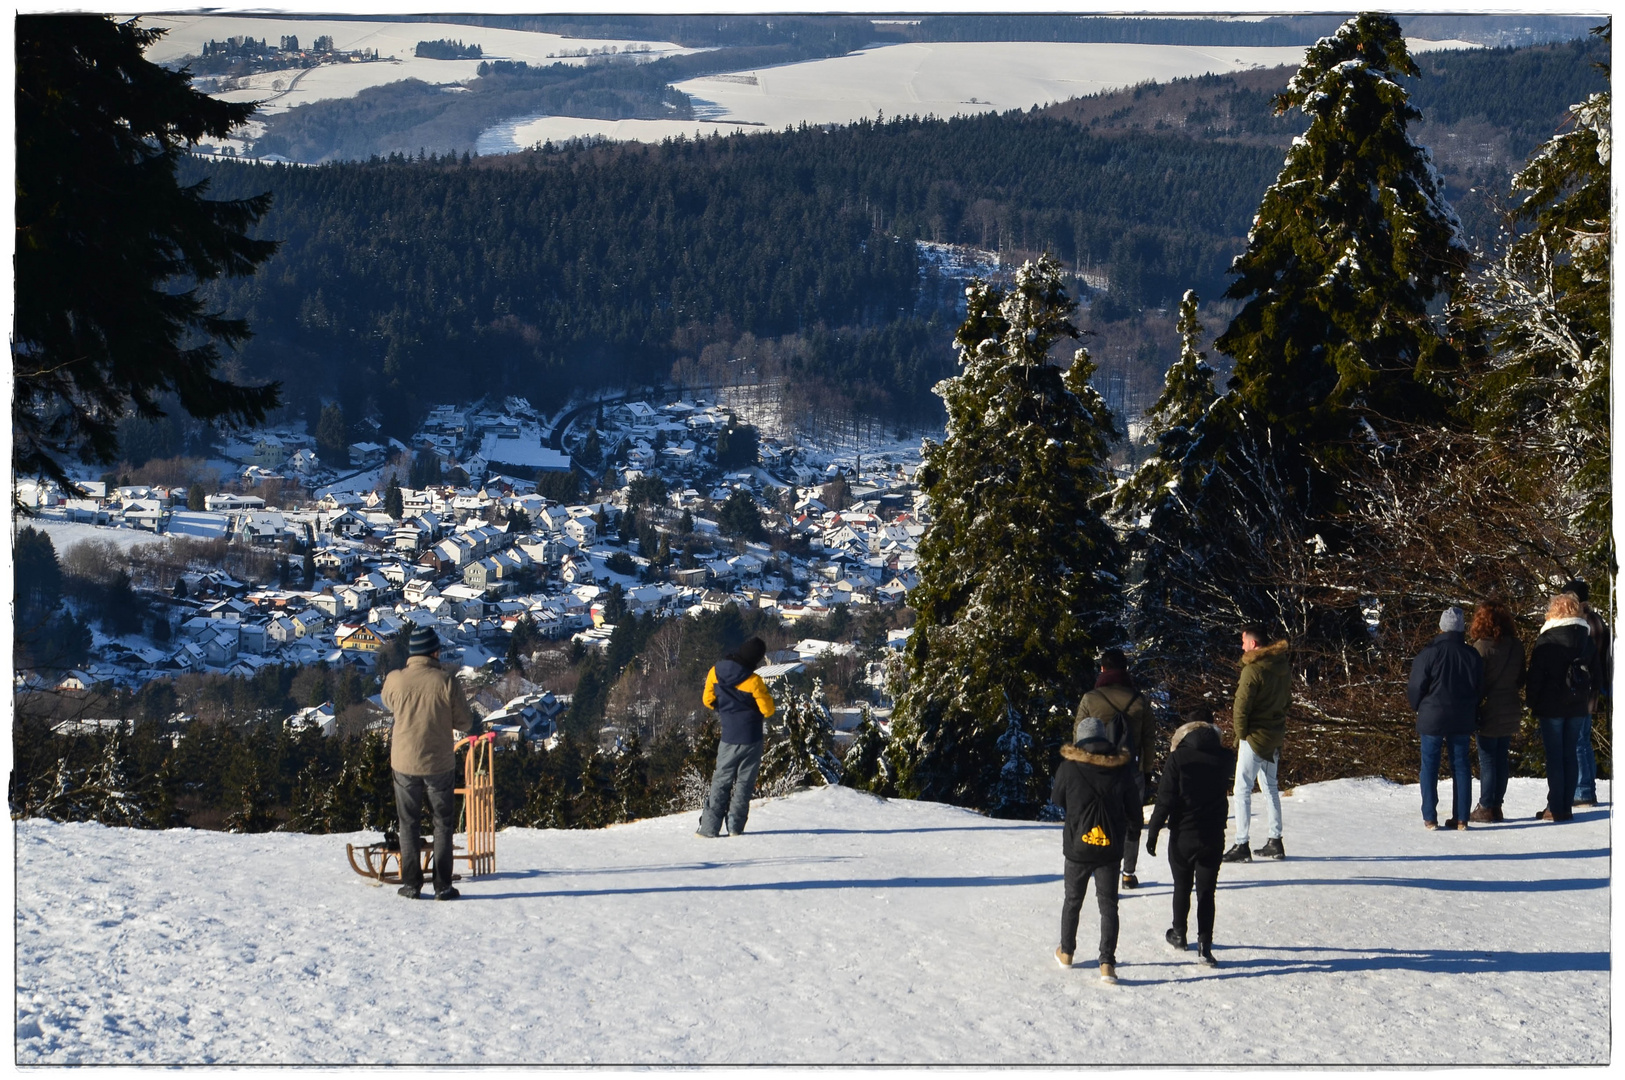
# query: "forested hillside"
592,265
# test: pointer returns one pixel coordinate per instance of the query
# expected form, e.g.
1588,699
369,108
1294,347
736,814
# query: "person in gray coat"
1447,680
1494,635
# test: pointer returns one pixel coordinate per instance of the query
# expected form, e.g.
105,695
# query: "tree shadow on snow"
1438,884
1312,960
819,885
661,868
1483,856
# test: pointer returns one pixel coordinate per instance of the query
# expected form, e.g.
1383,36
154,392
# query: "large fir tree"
1546,302
1019,574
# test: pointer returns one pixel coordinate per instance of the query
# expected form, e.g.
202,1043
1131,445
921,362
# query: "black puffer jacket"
1193,798
1561,641
1501,711
1084,779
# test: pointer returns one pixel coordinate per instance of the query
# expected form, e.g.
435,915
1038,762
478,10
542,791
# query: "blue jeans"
1251,767
1494,766
1560,735
731,784
1585,787
1461,775
440,789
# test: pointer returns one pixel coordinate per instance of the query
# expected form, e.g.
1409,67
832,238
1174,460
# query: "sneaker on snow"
1063,958
1452,823
1238,853
409,891
1204,956
707,835
1108,973
448,893
1176,939
1272,849
1584,802
1130,881
1430,825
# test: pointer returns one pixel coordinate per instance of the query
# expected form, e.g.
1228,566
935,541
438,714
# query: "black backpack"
1095,831
1577,679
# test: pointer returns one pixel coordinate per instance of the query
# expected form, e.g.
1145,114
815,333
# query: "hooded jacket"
1447,679
1501,711
1263,694
1561,641
741,700
1084,779
429,706
1193,797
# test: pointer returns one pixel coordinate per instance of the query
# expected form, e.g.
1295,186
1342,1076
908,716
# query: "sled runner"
478,825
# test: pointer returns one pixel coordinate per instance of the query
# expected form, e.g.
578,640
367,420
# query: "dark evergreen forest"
405,280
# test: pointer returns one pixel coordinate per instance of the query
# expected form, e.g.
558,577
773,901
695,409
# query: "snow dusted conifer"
1546,302
1350,248
1019,581
1017,793
806,751
867,763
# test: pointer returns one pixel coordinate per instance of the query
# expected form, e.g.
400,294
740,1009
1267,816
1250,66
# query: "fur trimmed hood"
1186,729
1105,761
1265,652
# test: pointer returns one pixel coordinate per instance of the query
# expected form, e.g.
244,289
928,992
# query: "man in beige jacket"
429,708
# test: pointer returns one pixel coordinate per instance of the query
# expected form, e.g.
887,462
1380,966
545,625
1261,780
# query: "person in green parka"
1263,694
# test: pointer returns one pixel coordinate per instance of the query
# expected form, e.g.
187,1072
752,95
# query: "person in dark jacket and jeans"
1093,786
1191,801
1447,680
1602,680
742,703
1500,713
1557,701
1117,703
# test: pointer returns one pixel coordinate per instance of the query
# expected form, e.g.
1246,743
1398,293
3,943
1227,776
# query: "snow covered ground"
66,534
941,78
839,929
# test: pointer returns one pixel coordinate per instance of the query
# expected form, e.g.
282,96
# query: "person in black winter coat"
1561,671
1192,802
1447,681
1093,786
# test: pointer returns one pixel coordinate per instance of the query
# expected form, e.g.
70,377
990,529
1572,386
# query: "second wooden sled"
479,825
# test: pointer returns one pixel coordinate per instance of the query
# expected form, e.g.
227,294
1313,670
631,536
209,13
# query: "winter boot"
1130,881
1108,972
448,893
1272,849
1063,958
409,891
1238,853
1204,954
1497,813
1482,814
1176,938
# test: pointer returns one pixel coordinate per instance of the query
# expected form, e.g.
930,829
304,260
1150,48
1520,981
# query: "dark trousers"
410,792
1195,863
1077,877
1136,824
731,785
1561,737
1494,766
1461,775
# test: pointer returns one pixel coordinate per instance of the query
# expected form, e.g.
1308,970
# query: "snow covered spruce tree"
1151,506
1019,573
1344,334
1546,303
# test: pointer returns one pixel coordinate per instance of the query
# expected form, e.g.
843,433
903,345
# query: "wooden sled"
478,824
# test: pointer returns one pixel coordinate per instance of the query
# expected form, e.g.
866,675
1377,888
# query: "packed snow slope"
838,929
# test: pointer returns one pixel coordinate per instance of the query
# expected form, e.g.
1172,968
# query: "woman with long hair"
1495,635
1559,689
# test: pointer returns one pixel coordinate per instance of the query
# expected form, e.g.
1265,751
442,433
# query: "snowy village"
762,540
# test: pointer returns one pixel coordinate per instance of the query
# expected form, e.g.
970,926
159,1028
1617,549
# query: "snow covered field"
838,929
65,534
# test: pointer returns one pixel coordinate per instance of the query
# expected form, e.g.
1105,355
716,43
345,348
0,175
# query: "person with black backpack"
1118,704
1559,691
1093,786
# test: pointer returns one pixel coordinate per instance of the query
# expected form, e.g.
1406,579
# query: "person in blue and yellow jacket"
742,703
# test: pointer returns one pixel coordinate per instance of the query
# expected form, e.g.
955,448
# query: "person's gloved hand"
1150,843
